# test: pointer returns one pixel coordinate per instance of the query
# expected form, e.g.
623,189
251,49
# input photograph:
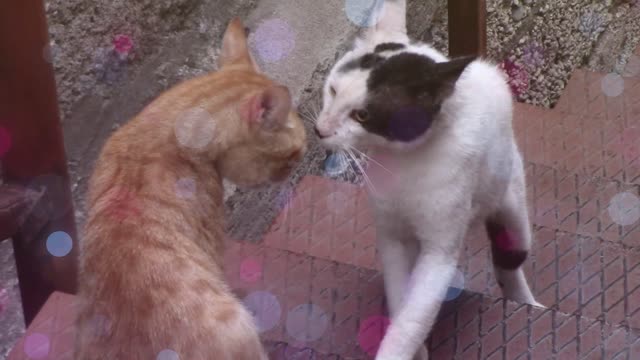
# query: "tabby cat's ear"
235,50
269,109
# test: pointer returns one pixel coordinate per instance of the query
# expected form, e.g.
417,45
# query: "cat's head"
380,95
268,138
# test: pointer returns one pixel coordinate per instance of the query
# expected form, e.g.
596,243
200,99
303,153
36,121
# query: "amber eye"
332,90
360,115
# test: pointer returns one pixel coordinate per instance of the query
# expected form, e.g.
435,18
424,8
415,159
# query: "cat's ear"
449,71
388,19
269,108
235,49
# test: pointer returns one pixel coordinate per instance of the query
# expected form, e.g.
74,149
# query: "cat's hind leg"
510,233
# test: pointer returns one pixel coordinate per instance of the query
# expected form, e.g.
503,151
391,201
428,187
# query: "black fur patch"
412,72
505,256
367,61
390,46
397,89
405,93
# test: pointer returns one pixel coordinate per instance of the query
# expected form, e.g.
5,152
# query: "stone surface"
11,319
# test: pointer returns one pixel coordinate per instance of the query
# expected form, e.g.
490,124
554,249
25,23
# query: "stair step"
312,308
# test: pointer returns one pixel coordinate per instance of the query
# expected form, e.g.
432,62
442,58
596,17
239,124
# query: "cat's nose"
320,133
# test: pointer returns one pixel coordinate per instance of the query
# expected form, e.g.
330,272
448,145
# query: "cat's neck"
164,184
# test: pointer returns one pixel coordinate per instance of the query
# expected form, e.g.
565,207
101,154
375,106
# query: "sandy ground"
111,58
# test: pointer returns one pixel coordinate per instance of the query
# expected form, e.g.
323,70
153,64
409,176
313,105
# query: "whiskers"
367,181
310,111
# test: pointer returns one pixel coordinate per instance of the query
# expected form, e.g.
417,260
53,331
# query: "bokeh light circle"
185,188
363,13
307,322
59,244
122,44
195,128
633,67
612,85
336,164
274,40
533,55
455,287
168,354
251,269
50,52
371,332
265,308
99,326
624,209
5,142
409,123
37,346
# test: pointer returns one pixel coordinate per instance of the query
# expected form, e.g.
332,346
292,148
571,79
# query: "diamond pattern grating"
584,264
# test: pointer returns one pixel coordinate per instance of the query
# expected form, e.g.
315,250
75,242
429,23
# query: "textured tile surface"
314,283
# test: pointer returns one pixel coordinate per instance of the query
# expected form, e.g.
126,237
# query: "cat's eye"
332,90
360,115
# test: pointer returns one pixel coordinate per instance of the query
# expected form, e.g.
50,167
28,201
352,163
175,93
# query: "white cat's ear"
388,19
269,108
235,49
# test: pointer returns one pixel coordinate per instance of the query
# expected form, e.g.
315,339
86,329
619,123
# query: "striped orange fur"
151,277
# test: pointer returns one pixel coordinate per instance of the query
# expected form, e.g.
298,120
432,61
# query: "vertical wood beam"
467,27
36,158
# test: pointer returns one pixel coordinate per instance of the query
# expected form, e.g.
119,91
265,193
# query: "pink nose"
322,133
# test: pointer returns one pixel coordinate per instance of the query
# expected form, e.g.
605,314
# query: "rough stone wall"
540,43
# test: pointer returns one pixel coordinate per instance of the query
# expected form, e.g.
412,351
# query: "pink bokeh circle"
371,332
251,269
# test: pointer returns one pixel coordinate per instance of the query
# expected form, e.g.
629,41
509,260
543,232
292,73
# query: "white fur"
465,169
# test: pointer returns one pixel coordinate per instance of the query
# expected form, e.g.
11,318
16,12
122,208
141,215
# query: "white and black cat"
444,127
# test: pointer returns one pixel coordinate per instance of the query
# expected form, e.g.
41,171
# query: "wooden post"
467,27
36,158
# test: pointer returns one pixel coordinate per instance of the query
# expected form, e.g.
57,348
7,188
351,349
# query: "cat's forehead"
365,56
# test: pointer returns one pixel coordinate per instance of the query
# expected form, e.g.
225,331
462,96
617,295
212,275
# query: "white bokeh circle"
168,354
633,67
624,209
612,85
307,322
265,308
363,13
185,188
195,128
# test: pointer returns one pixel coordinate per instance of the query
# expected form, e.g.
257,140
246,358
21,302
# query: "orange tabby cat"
151,279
